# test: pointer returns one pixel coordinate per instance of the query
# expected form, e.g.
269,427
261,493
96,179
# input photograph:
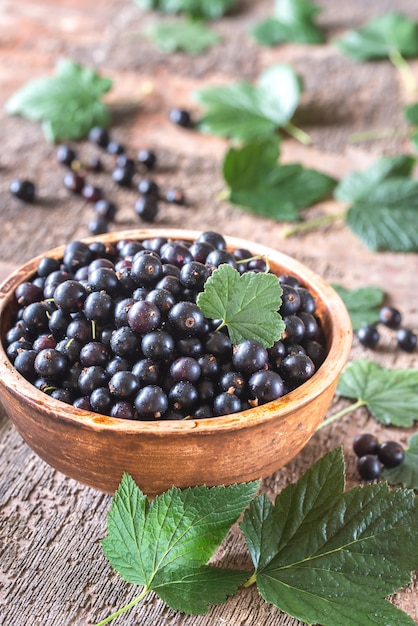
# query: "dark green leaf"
358,185
406,473
68,104
381,37
292,21
189,36
164,545
328,557
391,395
387,219
244,111
259,184
247,304
363,304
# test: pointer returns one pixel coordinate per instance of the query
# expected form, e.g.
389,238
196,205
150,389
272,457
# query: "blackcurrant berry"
369,467
389,316
365,443
390,453
23,189
368,336
407,339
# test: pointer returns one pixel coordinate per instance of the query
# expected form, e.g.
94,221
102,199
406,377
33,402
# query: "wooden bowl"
95,449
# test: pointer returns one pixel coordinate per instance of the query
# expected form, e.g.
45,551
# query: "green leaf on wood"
201,9
387,219
68,104
406,473
246,303
188,36
363,304
328,557
258,183
293,20
358,185
381,37
165,544
244,111
391,395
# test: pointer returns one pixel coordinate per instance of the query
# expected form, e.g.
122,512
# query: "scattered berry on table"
368,336
181,117
23,189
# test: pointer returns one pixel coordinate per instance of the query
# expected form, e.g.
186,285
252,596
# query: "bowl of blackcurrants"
110,364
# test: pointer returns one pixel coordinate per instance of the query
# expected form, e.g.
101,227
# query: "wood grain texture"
52,571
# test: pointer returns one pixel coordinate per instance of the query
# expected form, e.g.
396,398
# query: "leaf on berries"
387,219
293,20
358,185
247,304
68,104
164,544
406,473
381,37
188,36
363,304
328,557
244,111
259,184
391,395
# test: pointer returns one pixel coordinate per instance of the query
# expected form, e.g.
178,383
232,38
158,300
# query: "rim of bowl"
337,356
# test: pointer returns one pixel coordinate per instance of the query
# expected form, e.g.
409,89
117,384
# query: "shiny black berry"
407,339
23,189
365,443
369,467
390,453
390,317
368,336
181,117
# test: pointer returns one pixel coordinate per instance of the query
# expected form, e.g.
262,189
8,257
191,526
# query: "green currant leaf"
244,111
201,9
189,36
328,557
247,304
68,104
165,544
387,219
259,184
381,37
358,185
391,395
292,21
363,304
406,473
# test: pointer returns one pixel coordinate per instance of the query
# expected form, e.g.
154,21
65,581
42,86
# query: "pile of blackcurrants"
115,329
390,317
374,456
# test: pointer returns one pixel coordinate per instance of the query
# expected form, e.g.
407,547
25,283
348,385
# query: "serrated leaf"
247,304
391,395
261,185
164,545
363,304
380,37
358,185
387,219
68,104
328,557
406,473
189,36
292,21
244,111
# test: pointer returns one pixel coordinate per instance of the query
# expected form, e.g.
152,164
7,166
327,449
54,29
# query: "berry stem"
297,133
311,224
404,69
338,414
125,608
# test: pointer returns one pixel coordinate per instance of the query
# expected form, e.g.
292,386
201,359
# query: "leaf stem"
125,608
311,224
371,135
403,67
251,581
297,133
335,416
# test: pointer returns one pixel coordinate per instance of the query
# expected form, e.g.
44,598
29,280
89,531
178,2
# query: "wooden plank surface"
52,570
